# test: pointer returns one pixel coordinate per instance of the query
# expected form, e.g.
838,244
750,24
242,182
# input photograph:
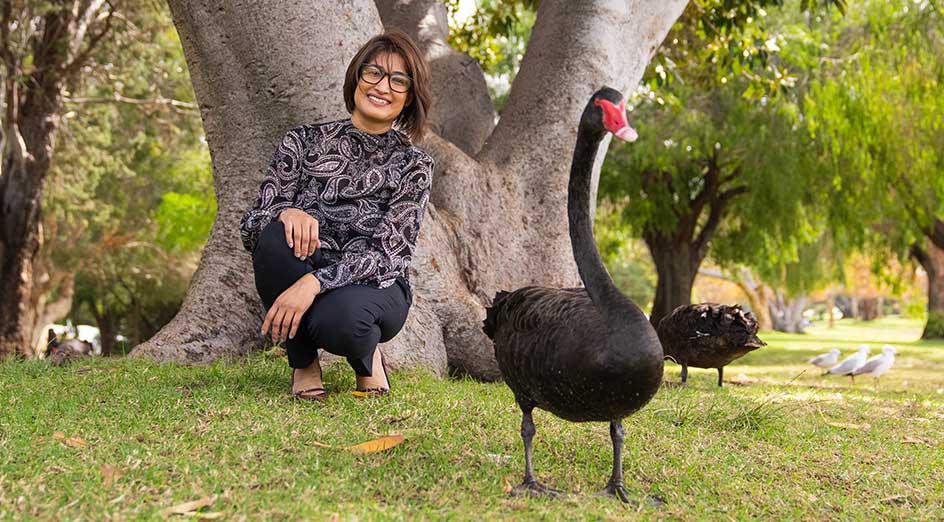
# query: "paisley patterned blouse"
368,192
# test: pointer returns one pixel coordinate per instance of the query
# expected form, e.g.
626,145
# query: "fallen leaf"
849,426
381,444
320,445
110,474
358,393
208,515
75,442
188,508
915,440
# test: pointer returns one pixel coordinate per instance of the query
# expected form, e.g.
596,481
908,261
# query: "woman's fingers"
296,320
288,232
267,322
306,238
278,328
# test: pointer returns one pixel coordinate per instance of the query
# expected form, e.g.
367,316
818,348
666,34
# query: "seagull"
877,365
851,363
826,360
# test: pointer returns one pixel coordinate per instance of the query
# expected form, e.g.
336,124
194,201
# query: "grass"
784,444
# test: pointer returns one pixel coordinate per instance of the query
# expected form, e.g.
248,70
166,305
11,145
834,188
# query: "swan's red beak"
614,119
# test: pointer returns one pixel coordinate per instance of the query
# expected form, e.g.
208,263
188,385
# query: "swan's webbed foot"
615,489
533,488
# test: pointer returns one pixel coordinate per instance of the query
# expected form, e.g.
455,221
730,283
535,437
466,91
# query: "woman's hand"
286,312
301,232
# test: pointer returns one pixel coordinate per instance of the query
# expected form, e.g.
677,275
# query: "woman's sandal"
311,394
378,391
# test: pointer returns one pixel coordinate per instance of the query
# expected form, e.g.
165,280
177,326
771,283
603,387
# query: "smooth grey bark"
497,218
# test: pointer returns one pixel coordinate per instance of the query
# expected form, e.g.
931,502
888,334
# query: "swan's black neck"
616,307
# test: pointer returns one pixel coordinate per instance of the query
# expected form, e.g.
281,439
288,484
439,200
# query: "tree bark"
497,219
932,260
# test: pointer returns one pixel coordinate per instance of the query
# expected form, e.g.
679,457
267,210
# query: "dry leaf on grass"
189,508
916,440
371,446
381,444
110,474
75,442
849,426
358,393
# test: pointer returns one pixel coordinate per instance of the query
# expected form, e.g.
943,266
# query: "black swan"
708,335
581,354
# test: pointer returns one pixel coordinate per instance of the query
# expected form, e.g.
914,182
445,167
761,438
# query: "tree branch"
718,207
79,60
119,98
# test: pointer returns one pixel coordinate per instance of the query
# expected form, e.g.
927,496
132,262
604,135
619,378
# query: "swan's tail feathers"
491,314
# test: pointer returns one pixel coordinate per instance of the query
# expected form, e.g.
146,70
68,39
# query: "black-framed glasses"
374,74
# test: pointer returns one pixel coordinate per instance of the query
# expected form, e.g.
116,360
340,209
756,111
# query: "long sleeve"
384,254
279,187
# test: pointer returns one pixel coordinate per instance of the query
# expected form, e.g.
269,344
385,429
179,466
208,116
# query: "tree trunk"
868,309
787,313
932,260
676,270
830,304
497,219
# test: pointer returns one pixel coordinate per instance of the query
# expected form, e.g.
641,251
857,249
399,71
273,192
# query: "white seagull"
851,363
826,360
877,365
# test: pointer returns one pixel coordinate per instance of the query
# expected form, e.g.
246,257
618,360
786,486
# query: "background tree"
497,218
878,111
129,187
43,48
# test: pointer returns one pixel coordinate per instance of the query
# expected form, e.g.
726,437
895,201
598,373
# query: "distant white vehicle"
877,365
827,360
82,332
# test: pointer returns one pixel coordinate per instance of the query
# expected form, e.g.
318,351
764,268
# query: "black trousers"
347,321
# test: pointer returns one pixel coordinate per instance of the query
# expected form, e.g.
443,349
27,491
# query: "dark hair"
412,119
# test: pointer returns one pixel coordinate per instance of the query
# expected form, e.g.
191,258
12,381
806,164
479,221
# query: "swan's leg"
684,372
615,485
530,485
720,376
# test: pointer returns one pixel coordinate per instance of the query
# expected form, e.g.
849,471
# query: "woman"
335,224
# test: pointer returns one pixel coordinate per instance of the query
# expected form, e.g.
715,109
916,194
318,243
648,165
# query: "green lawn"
783,444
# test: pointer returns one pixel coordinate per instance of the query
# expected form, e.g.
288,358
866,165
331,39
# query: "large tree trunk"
676,267
932,260
498,213
64,34
787,313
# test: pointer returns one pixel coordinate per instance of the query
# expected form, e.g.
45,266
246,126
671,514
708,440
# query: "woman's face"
379,103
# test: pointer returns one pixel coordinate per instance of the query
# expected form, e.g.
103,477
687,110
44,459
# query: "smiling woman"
333,230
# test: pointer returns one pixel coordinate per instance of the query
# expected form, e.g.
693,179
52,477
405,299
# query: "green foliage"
718,41
878,111
496,35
